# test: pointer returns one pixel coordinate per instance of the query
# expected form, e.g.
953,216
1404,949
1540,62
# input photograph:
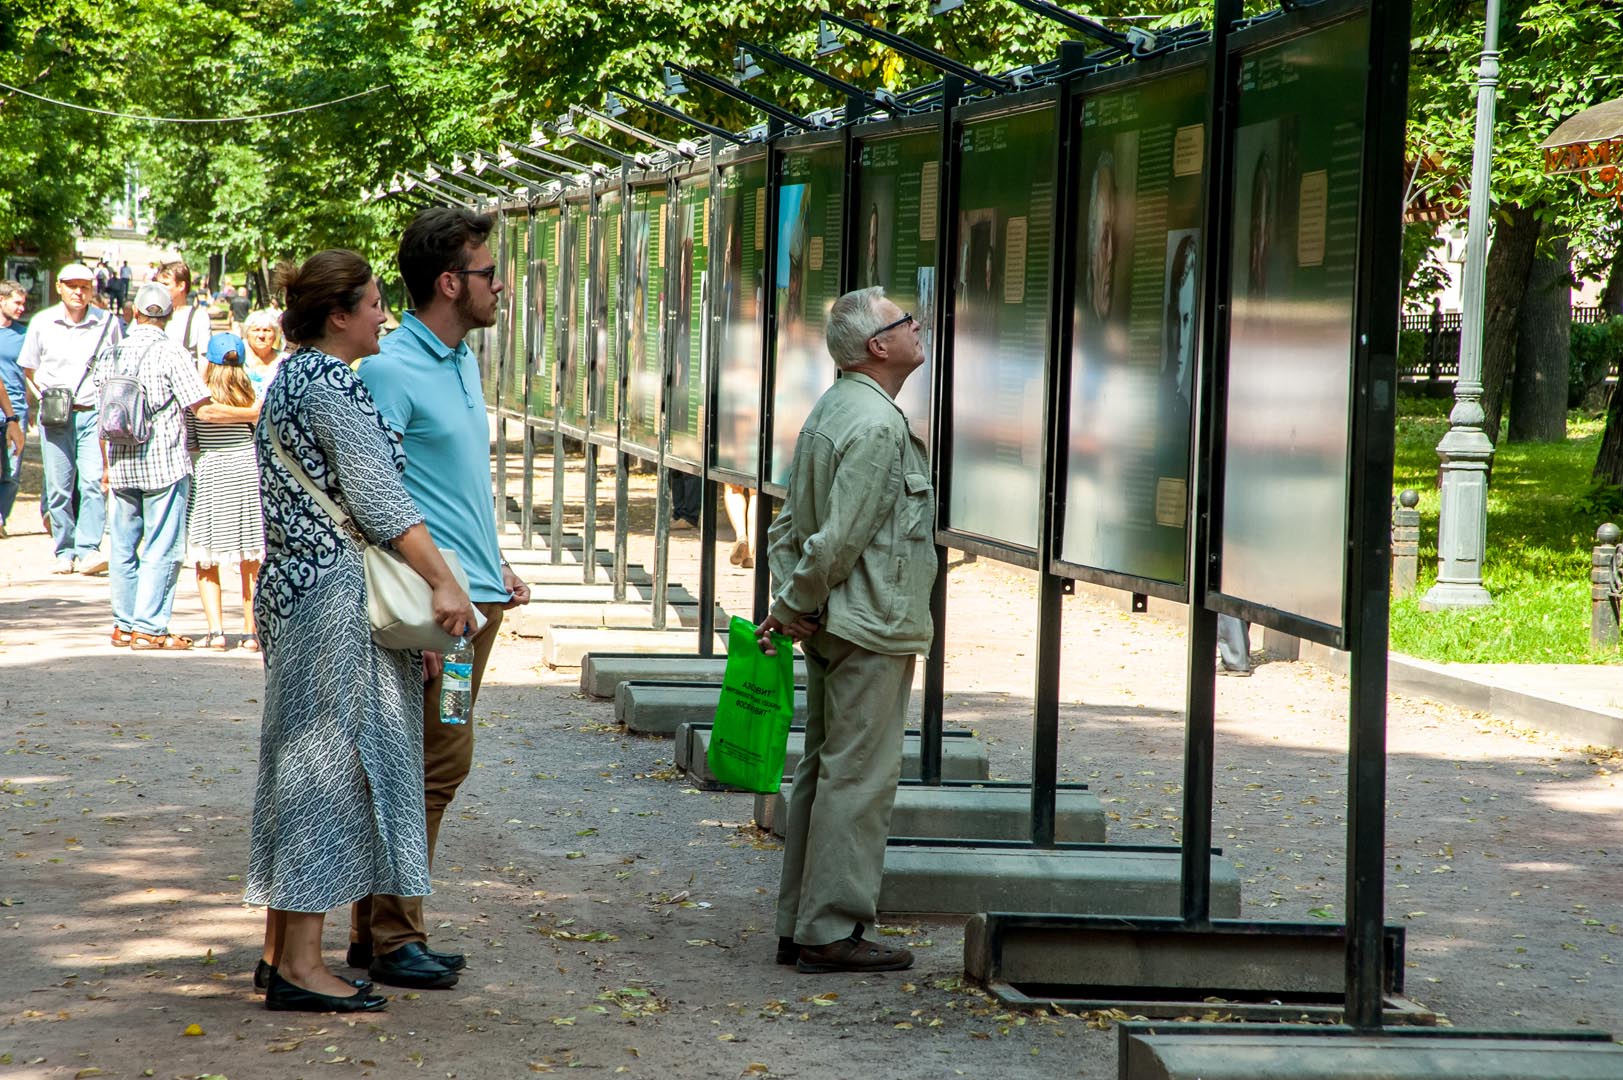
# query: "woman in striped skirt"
226,523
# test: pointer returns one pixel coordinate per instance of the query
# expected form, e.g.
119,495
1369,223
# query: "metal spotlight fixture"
744,66
674,86
828,39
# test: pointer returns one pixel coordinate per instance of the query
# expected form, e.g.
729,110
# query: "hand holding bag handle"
399,603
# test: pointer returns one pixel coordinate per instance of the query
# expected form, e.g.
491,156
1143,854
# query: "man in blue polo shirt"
426,384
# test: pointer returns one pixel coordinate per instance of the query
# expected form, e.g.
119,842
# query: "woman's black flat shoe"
283,996
263,972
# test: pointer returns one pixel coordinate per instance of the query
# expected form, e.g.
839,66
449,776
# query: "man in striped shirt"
152,480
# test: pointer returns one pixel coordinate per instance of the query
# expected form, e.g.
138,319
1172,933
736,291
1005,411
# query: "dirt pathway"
620,921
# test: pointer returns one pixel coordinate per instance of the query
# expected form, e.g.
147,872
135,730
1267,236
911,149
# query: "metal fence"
1439,359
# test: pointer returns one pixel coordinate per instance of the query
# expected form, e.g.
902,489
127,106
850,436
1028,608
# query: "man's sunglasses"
903,321
488,273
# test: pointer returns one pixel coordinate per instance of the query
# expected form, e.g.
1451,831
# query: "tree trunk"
1609,462
1509,259
1538,389
1611,301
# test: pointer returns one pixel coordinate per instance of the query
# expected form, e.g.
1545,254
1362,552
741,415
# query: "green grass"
1539,541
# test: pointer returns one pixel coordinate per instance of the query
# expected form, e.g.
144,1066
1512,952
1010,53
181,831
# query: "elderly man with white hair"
853,560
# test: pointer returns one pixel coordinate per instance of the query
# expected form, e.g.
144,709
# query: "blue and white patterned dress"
338,812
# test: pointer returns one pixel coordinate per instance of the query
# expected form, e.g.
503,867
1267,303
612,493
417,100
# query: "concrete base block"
541,555
543,572
659,708
565,646
962,758
1085,957
536,617
656,708
1165,1055
921,880
602,592
945,813
602,673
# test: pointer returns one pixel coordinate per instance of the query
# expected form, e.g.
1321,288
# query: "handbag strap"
291,464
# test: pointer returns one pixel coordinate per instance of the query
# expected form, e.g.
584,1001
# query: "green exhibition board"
898,203
1141,175
523,345
691,250
738,300
1298,161
606,371
576,372
645,235
543,292
806,283
1000,334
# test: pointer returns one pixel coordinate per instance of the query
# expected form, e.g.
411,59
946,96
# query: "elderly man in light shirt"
58,350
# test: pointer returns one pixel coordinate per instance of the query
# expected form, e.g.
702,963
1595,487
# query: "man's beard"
465,311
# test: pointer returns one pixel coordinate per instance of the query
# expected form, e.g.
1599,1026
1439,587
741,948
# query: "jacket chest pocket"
918,506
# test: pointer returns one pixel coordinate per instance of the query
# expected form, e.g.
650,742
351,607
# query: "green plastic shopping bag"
757,705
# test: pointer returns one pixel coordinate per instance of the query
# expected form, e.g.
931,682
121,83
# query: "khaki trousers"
844,789
388,922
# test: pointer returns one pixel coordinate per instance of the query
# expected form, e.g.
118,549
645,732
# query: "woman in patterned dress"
225,526
338,811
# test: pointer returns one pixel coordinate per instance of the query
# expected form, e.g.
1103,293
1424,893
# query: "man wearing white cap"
62,341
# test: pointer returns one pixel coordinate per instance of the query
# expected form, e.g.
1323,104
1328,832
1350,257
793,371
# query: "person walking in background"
338,809
151,481
853,561
238,301
225,526
57,352
262,331
425,381
13,302
189,327
739,502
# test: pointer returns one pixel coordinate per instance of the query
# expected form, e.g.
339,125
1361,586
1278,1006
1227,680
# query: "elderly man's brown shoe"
852,954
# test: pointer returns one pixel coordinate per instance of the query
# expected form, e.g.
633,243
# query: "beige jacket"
854,543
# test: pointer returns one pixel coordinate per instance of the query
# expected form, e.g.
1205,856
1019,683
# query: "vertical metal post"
707,444
769,367
1206,436
560,321
499,481
1051,588
1466,451
526,515
932,710
622,460
662,473
589,359
1375,349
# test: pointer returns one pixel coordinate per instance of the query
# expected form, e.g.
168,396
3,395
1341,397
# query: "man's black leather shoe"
411,966
360,956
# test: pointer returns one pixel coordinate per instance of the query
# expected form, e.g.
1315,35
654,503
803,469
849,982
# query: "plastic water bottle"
456,683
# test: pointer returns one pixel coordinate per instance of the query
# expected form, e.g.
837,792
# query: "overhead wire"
188,119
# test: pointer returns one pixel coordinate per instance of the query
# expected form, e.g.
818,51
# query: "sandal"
167,642
121,638
215,639
250,642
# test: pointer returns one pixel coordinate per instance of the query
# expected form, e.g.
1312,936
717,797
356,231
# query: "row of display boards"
1159,303
1050,244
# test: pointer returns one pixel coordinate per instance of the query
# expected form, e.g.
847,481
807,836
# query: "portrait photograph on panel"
1293,268
1001,325
1134,315
741,273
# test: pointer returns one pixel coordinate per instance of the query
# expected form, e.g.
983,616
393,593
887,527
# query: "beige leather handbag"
399,603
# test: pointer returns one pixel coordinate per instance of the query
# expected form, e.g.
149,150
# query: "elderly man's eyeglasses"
486,272
903,321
